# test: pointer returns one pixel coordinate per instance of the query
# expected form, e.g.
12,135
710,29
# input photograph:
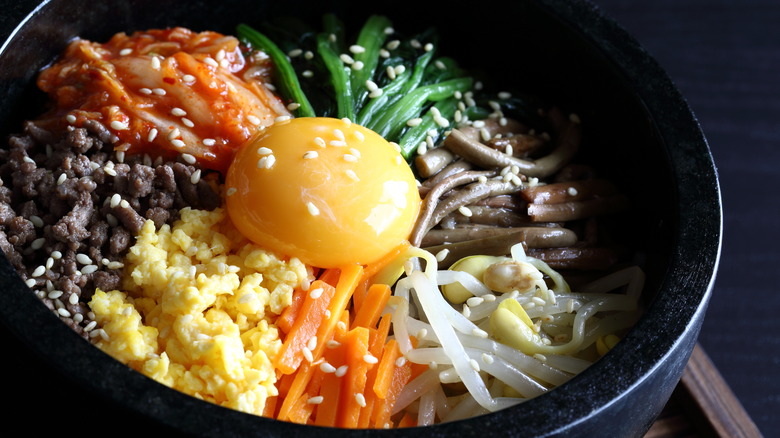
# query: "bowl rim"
695,261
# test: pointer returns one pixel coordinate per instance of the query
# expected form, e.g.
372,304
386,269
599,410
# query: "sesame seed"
319,142
376,93
53,295
155,61
401,361
124,204
487,358
540,357
30,282
384,53
209,141
414,122
346,59
359,135
307,354
475,301
572,191
392,45
327,368
231,191
266,162
478,332
371,85
36,221
119,126
83,259
159,91
509,150
210,61
307,73
308,54
346,121
189,158
357,49
489,297
440,65
89,269
465,211
152,135
339,134
337,143
313,210
115,200
360,399
316,293
253,119
264,151
428,47
350,158
178,143
293,106
115,265
145,91
358,65
178,112
310,155
61,179
195,177
174,133
282,118
352,175
49,263
315,400
466,311
415,43
395,145
333,344
390,72
187,122
56,255
188,78
70,118
294,53
109,170
474,364
370,359
63,312
340,371
574,118
312,343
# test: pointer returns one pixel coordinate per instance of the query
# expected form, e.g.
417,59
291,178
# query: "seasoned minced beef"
70,207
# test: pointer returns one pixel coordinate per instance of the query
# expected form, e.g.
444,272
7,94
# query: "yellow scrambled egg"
197,310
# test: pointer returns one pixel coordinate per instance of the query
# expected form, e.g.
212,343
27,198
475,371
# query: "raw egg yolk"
324,190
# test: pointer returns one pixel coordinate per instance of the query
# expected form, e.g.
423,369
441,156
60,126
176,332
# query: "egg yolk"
329,192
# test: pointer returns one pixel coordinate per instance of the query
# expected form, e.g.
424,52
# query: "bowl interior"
637,132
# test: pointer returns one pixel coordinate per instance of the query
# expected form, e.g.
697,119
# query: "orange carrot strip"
401,376
374,303
311,315
330,387
290,313
330,276
301,410
354,382
348,279
360,294
373,268
270,407
385,369
297,388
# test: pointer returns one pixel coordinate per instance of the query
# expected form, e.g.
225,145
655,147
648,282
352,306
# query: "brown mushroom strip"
556,193
577,258
433,161
534,237
429,206
486,157
494,128
569,211
501,217
522,144
469,194
509,202
453,168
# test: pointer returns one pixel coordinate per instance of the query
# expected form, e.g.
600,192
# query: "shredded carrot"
330,386
270,407
360,294
354,382
297,388
291,312
408,420
312,313
385,369
301,410
375,302
330,276
400,377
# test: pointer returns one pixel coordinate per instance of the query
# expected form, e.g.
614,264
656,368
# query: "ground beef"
70,207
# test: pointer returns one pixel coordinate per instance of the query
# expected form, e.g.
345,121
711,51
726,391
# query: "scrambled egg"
197,310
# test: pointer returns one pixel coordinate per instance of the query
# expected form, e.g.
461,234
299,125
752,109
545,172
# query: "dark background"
725,58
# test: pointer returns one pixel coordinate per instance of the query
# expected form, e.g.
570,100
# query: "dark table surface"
725,58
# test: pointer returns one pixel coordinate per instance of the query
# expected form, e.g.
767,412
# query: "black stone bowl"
638,130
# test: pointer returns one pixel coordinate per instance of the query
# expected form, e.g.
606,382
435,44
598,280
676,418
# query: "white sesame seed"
145,91
70,118
188,78
315,400
489,297
115,265
316,293
119,126
312,343
339,134
253,119
357,49
231,191
313,210
428,47
310,155
195,177
337,143
352,175
115,200
475,301
63,312
466,310
465,211
109,170
390,72
124,204
282,118
307,354
346,59
371,85
487,358
368,358
401,361
474,364
178,112
36,221
152,135
333,344
319,142
211,62
415,43
178,143
56,255
54,294
478,332
189,158
440,65
308,54
359,135
392,45
375,93
264,151
293,106
414,122
83,259
187,122
340,371
209,141
294,53
358,65
360,399
384,53
49,263
266,162
307,73
159,91
350,158
155,61
30,282
89,269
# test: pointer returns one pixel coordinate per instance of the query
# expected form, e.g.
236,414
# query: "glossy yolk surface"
325,190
